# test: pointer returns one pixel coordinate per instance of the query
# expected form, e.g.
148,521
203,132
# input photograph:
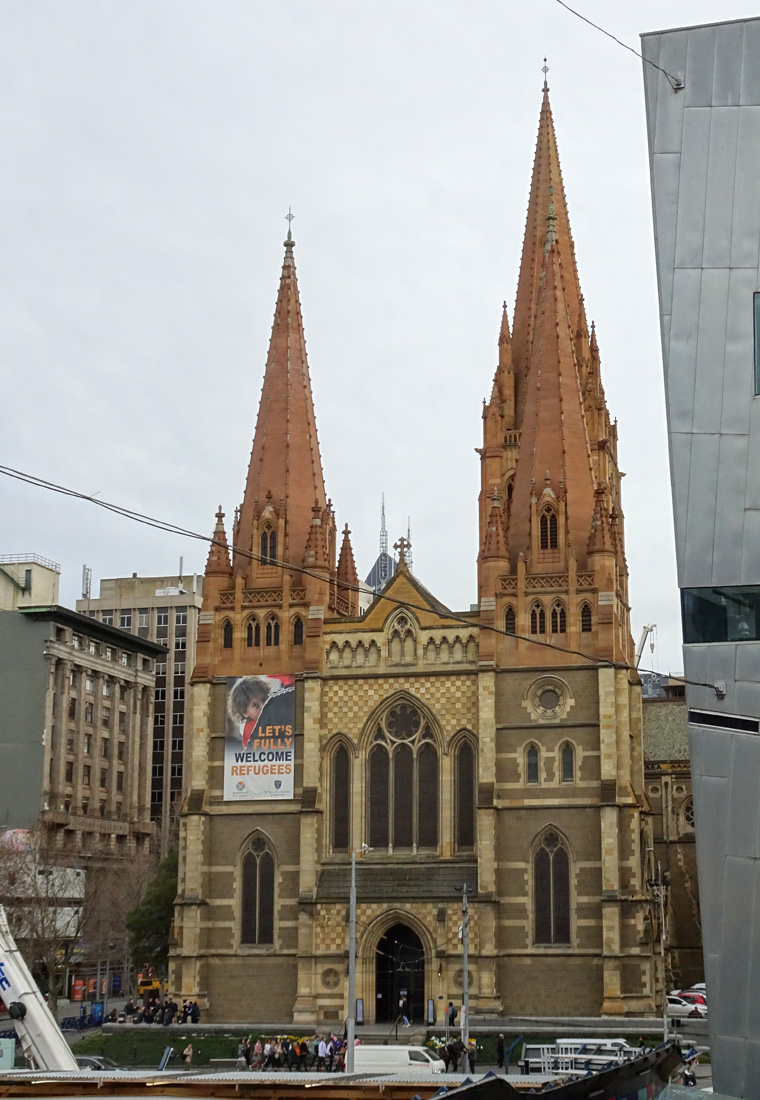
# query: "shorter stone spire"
601,537
219,564
315,554
347,574
495,545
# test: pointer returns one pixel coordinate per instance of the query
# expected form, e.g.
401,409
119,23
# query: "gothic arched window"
464,796
340,788
272,633
510,620
531,764
268,545
559,618
537,619
585,619
227,634
549,529
253,634
551,890
298,630
568,763
403,782
257,900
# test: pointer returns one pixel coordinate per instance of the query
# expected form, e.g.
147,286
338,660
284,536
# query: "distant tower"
383,559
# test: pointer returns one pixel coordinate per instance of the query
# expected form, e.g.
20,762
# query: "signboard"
7,1053
77,989
259,746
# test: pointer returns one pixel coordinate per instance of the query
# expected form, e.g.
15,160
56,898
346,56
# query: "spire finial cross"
402,546
545,70
289,218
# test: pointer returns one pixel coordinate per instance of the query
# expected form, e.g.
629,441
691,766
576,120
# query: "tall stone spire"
285,471
554,448
546,187
348,578
218,564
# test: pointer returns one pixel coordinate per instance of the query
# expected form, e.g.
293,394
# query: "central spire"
285,472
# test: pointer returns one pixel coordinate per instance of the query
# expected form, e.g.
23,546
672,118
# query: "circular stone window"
459,979
330,978
549,699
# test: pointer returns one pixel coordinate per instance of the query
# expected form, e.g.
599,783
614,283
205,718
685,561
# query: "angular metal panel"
670,104
747,665
710,805
700,517
741,835
680,460
736,936
747,701
650,51
690,223
721,665
727,1058
709,750
727,73
719,201
666,169
746,207
682,351
752,496
738,362
751,548
699,65
729,511
711,343
750,77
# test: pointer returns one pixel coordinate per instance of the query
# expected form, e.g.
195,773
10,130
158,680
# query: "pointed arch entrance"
399,974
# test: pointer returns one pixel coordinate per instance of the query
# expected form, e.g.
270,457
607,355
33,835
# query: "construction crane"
647,630
38,1032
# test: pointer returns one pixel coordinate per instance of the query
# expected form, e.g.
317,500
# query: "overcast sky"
150,151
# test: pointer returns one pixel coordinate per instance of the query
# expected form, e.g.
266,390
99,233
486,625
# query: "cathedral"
497,749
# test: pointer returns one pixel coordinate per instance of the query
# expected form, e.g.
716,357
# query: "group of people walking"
157,1012
322,1053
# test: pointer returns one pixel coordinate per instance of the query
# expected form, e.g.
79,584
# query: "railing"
24,559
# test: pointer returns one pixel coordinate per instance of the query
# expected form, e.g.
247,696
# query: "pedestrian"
321,1054
195,1013
268,1054
453,1052
258,1054
500,1051
187,1054
241,1062
405,1012
471,1053
452,1014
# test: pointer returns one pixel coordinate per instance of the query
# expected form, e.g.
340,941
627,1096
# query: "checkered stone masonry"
347,704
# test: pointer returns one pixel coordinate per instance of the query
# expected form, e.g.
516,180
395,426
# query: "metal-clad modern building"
704,145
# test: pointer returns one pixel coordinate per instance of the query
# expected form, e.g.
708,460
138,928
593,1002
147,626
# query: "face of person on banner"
246,703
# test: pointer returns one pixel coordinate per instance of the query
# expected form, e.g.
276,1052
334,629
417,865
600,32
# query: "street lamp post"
351,1021
658,887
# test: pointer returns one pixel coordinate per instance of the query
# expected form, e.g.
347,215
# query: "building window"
125,620
143,619
272,635
227,635
531,764
106,617
109,653
257,900
549,529
268,546
298,630
104,749
77,641
86,775
178,719
585,619
162,618
160,668
180,616
104,777
70,741
688,810
72,708
340,787
568,763
87,744
403,782
180,644
69,771
72,679
178,744
179,668
122,721
120,751
725,614
159,719
126,659
160,695
179,695
157,771
93,648
107,688
510,620
253,634
89,683
551,890
537,619
85,806
465,797
559,619
175,771
158,746
88,711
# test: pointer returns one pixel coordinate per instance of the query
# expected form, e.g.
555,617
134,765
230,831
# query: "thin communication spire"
383,548
409,540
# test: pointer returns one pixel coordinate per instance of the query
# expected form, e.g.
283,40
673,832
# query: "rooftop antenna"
409,540
86,582
383,570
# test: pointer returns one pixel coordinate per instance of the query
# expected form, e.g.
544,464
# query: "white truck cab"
378,1058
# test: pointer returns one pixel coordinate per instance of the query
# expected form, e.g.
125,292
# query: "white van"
376,1058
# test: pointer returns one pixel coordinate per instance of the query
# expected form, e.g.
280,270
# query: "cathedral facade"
498,750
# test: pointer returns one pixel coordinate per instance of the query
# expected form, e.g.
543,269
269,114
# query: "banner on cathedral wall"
259,744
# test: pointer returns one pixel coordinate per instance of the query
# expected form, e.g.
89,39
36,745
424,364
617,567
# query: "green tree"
149,923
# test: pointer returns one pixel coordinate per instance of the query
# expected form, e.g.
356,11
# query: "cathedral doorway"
399,975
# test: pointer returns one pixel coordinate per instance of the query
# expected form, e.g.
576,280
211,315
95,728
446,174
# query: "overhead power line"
451,616
675,82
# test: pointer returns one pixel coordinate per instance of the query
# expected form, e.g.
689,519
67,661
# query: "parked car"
679,1009
96,1061
695,996
373,1058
